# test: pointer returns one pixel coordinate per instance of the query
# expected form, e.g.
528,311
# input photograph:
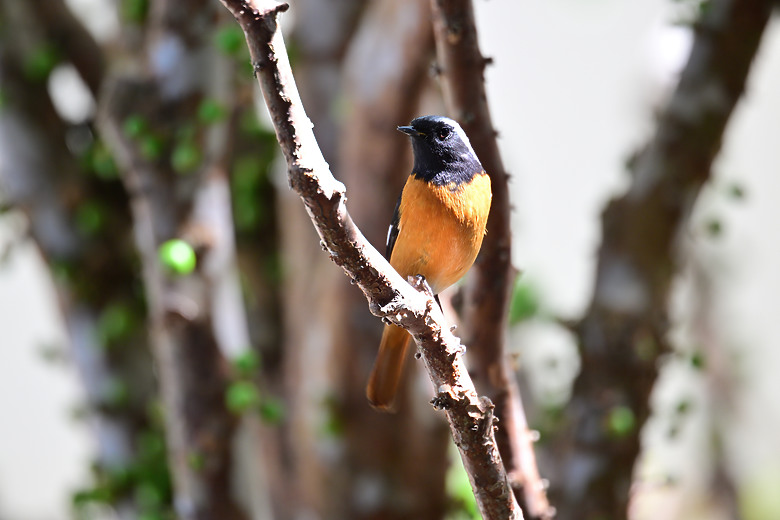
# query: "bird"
436,231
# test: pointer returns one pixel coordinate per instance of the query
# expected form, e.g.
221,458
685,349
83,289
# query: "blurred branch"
624,330
470,417
144,118
70,37
486,299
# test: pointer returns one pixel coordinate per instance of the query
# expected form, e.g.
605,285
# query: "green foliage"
229,39
100,162
247,181
116,323
714,227
90,217
40,62
151,147
242,396
186,157
334,423
144,482
247,363
697,360
272,410
524,303
178,256
463,505
135,126
210,111
621,421
135,11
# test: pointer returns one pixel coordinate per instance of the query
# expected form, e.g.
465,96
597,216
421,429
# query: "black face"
442,153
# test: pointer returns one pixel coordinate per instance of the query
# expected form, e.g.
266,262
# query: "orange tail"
386,374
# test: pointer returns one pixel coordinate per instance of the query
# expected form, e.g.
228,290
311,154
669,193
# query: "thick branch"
487,295
388,294
624,330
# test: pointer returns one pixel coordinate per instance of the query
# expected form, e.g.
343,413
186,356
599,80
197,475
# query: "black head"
442,152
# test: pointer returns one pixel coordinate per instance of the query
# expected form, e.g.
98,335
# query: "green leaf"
151,147
272,410
186,157
229,39
90,217
116,323
621,421
524,303
40,62
135,11
247,363
242,396
134,126
211,111
178,256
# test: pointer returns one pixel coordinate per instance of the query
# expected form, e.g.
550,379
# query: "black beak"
409,130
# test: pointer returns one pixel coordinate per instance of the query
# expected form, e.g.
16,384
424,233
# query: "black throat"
444,166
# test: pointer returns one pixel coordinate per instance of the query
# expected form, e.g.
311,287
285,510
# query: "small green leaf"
178,256
116,323
524,304
151,147
697,360
621,421
211,111
736,192
102,163
272,410
186,157
90,217
229,39
41,62
134,126
714,228
247,363
242,396
135,11
197,461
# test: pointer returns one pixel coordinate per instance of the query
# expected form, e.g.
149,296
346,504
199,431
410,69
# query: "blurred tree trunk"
624,330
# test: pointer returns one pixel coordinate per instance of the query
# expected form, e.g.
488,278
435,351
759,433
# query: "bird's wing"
392,232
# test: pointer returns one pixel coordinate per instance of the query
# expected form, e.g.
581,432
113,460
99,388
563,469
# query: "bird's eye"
444,133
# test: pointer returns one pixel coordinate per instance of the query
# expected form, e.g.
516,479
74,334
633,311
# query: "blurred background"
574,89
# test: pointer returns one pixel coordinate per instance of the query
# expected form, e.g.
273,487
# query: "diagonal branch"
470,417
486,299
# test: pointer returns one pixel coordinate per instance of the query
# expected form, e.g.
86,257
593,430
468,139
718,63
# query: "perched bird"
436,231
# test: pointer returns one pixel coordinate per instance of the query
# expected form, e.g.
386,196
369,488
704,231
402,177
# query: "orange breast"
440,230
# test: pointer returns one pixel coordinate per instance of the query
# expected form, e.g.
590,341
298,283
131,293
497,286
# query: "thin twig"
389,295
486,298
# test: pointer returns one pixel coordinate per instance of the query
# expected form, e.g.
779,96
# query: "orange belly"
440,230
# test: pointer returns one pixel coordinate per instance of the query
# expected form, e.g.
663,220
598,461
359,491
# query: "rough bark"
389,295
486,297
624,330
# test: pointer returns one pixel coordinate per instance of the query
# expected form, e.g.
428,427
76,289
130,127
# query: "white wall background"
572,90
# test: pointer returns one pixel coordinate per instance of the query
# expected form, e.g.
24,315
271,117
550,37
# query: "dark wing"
392,232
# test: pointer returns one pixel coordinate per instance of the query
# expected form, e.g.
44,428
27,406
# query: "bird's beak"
409,130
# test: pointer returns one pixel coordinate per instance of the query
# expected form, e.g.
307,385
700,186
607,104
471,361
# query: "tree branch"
486,300
624,330
389,296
